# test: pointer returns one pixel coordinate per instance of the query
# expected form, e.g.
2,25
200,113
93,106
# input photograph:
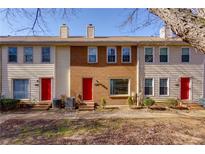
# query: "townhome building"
45,67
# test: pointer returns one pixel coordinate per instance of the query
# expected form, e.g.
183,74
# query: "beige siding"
34,72
62,71
0,70
173,70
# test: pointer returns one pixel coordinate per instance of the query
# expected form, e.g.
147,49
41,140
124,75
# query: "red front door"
45,89
87,88
185,87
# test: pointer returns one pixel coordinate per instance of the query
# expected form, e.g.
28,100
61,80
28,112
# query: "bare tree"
36,19
189,24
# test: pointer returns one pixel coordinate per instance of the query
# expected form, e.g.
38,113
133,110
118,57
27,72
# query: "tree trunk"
186,23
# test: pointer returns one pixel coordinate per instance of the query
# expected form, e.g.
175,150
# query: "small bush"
8,104
148,101
103,102
172,102
130,101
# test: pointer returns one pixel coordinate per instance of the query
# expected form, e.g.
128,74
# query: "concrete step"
86,109
40,108
44,103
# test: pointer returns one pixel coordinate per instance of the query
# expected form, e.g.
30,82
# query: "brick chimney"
90,31
166,32
64,31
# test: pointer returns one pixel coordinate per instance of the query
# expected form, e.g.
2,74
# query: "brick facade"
102,72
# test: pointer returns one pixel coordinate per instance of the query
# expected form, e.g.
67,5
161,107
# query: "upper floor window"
148,55
185,55
148,86
119,86
92,55
163,85
28,54
164,55
46,54
111,55
12,54
126,55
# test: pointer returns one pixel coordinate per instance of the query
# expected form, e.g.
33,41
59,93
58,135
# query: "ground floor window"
20,88
163,86
119,86
148,86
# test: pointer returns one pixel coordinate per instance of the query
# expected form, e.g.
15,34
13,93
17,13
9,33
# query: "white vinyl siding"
33,71
174,70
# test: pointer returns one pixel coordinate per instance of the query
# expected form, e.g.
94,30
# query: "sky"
107,22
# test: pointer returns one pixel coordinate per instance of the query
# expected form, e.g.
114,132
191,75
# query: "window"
185,55
148,55
148,86
163,55
46,55
111,55
163,86
119,87
126,55
12,54
28,54
20,88
92,55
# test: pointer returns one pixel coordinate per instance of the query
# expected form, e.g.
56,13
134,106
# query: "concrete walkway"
119,113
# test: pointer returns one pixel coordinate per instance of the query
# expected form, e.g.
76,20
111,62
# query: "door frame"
190,87
91,88
40,86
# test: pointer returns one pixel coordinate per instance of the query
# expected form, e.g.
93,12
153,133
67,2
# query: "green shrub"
103,102
8,104
148,101
171,102
130,101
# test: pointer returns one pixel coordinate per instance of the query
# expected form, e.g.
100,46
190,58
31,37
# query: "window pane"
111,54
92,53
126,54
185,51
46,54
119,86
148,54
163,55
163,86
12,54
28,54
185,55
163,51
20,88
148,86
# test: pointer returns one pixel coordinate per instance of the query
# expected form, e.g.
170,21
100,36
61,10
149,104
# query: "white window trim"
96,55
42,55
167,86
115,55
189,56
152,86
153,53
122,55
16,55
29,88
120,95
167,55
24,56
